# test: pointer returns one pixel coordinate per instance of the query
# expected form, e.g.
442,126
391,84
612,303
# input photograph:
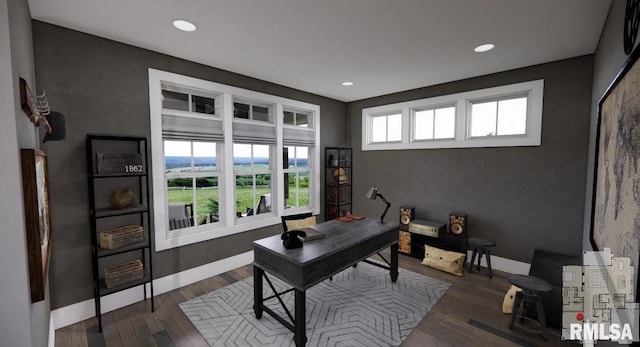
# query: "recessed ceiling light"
184,25
484,48
347,83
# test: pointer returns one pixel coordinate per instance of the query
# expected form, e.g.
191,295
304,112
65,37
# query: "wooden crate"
120,237
116,275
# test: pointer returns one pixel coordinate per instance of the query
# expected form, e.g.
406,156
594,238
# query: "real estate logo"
598,301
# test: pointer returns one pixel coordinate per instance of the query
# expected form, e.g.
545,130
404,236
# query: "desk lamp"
373,194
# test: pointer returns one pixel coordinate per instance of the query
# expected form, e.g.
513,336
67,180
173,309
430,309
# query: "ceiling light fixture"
184,25
347,83
484,48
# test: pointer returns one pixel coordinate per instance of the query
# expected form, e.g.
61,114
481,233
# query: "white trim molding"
80,311
224,96
533,90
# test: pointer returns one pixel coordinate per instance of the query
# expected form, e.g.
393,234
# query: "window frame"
296,170
225,96
534,91
433,108
194,176
252,171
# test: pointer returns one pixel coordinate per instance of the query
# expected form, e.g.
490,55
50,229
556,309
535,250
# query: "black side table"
531,286
480,248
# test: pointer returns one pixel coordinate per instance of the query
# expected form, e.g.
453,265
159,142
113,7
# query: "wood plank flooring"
469,314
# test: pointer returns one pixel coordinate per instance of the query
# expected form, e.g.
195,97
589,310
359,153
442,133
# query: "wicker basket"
117,275
120,237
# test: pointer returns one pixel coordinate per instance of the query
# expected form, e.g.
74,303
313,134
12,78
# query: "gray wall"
21,323
101,86
609,59
522,197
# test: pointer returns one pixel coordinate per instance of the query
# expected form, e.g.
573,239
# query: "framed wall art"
615,214
37,219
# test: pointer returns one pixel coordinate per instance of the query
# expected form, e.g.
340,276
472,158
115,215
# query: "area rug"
359,307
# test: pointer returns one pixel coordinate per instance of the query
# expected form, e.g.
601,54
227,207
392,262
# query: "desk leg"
394,262
300,325
257,291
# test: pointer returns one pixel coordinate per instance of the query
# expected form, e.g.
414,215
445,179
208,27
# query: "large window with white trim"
502,116
232,160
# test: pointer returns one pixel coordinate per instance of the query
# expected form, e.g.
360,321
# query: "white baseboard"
52,334
80,311
504,264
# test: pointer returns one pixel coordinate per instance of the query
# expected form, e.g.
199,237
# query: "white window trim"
462,102
228,225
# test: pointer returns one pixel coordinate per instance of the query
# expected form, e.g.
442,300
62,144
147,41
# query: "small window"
387,128
240,110
503,116
499,117
173,100
297,119
433,124
260,113
254,112
201,104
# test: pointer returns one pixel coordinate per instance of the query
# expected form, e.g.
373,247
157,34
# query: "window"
499,117
435,123
249,111
192,176
297,173
232,160
387,128
502,116
252,170
297,119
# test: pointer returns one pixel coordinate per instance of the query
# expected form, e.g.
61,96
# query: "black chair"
294,217
548,266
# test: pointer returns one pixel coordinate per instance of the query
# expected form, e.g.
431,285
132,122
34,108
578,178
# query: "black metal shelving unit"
103,217
338,176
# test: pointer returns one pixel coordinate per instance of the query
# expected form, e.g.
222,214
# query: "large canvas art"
616,200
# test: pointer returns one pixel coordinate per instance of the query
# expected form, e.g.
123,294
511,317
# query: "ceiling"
383,46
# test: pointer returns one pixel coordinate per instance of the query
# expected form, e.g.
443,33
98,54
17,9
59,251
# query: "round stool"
531,286
479,247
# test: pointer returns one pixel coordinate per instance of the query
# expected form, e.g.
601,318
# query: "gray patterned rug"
360,307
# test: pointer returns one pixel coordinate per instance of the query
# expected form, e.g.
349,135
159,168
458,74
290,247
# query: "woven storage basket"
122,236
117,275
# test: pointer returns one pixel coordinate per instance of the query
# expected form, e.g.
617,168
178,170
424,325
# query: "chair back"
294,217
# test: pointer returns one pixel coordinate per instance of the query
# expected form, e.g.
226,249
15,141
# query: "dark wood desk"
344,244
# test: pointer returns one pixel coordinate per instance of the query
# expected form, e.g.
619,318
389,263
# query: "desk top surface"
338,236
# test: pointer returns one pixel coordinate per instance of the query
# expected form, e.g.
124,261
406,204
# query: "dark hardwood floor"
469,314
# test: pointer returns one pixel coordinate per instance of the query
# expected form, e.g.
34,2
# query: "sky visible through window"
504,117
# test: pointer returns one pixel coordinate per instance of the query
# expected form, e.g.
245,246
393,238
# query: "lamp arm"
386,208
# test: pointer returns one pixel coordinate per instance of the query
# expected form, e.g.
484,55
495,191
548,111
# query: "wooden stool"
531,286
480,248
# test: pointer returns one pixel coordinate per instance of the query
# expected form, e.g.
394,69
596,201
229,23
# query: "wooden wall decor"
37,219
36,107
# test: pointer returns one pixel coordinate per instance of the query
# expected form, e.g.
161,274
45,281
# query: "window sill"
209,232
